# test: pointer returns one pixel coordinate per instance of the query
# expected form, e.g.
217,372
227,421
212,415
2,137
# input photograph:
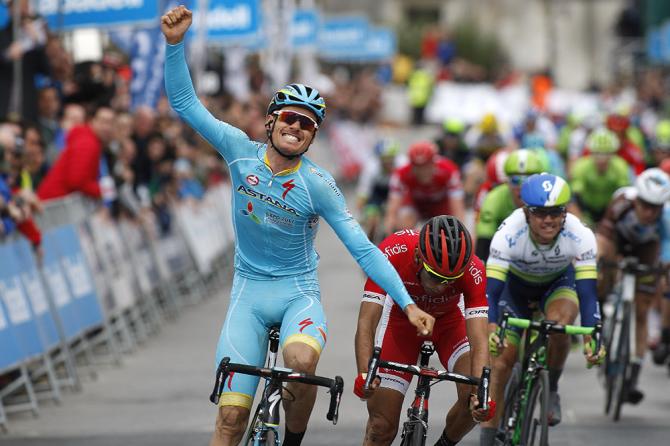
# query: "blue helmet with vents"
301,96
545,190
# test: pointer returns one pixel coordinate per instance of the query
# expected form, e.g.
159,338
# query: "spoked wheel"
535,431
413,434
623,357
511,395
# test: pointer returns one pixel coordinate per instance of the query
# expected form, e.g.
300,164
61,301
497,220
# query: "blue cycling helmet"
302,96
545,190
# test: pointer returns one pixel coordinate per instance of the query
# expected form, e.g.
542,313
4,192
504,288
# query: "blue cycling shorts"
521,299
294,303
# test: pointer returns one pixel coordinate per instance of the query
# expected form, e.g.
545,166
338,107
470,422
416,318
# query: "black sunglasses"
290,116
540,212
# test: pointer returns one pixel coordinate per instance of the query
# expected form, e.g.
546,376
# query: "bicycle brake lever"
483,389
221,376
335,397
373,365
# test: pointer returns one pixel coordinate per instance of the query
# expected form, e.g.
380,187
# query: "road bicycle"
619,332
415,429
525,419
264,427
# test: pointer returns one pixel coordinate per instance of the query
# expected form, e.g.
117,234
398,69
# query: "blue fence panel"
10,353
70,14
57,282
32,283
78,276
16,304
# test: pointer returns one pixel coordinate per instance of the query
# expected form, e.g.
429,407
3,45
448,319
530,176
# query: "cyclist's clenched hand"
420,319
480,415
175,23
591,358
359,389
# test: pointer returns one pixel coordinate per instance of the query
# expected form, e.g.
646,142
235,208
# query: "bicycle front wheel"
413,434
611,330
535,430
622,360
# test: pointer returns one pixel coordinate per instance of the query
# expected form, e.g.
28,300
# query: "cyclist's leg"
303,336
452,346
646,288
513,300
400,344
559,304
244,339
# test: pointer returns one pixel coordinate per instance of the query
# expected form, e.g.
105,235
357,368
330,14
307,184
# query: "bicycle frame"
534,360
267,418
417,413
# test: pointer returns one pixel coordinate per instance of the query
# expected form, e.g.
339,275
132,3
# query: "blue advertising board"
70,14
342,35
4,15
10,354
304,28
37,295
654,45
16,306
230,21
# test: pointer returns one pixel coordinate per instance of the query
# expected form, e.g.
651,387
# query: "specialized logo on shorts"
395,249
230,380
266,198
305,323
249,212
287,187
322,333
252,180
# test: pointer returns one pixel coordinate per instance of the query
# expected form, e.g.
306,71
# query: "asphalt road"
159,396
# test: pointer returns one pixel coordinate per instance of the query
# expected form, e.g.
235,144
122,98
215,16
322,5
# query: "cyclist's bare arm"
369,315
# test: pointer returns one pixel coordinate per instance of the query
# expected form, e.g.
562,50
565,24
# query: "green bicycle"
525,415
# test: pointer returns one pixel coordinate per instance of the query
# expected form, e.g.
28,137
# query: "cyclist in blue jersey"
278,197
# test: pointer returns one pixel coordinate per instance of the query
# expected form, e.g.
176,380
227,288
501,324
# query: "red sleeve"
30,231
83,165
474,290
454,184
396,184
397,248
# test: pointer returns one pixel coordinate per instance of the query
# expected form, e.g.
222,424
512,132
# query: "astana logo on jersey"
266,198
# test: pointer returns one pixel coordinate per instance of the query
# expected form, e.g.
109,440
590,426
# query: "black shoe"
634,395
660,353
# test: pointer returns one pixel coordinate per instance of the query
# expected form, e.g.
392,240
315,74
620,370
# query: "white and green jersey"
512,250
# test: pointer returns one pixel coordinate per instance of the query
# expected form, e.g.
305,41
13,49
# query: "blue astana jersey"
275,216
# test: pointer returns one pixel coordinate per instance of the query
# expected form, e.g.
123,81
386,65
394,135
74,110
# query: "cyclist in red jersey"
628,150
438,267
427,186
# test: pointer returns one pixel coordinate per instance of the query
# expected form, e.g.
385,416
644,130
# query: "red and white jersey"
400,249
446,182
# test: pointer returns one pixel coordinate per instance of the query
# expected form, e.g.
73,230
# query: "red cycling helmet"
422,152
617,122
445,247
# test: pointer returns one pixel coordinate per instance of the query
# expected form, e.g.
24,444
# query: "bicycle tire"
414,434
510,396
539,395
610,368
623,357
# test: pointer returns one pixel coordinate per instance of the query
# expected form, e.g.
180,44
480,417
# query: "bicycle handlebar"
436,375
549,327
335,386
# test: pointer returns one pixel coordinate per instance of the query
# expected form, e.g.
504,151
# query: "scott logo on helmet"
547,186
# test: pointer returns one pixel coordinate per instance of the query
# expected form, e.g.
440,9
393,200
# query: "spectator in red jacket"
77,169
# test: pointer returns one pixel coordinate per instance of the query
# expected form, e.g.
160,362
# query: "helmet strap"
269,128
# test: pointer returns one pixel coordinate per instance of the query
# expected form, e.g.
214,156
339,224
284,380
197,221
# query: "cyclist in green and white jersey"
501,201
542,259
595,177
